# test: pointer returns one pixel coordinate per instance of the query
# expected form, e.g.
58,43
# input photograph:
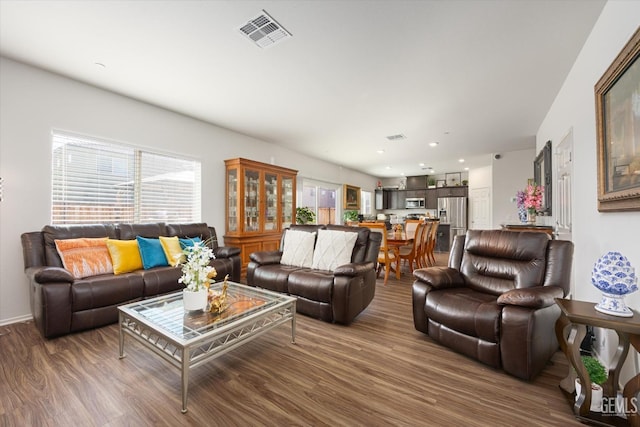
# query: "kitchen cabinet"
391,199
443,235
261,202
452,191
387,198
416,183
431,199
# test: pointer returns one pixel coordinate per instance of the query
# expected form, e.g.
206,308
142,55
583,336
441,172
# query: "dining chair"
386,255
410,227
433,236
423,256
410,253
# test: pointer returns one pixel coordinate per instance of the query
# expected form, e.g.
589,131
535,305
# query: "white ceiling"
476,76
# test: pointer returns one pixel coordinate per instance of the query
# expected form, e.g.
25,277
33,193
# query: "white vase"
194,300
596,396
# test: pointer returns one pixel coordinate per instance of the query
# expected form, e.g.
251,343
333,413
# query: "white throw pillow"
298,248
333,249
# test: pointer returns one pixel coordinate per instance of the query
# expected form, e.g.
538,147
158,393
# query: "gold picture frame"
618,132
351,197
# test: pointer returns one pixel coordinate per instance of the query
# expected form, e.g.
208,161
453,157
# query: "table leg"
185,378
631,390
293,323
610,387
576,335
120,337
568,383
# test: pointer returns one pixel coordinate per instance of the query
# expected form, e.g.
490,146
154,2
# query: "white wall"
594,233
33,102
510,174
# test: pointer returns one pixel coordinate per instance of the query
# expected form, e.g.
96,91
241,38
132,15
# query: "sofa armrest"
226,251
44,275
538,297
440,277
266,257
353,269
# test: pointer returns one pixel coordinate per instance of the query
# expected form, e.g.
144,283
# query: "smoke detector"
397,137
264,31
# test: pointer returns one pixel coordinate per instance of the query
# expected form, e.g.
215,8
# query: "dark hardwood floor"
377,371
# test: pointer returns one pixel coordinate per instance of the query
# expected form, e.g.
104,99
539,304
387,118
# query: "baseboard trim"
18,319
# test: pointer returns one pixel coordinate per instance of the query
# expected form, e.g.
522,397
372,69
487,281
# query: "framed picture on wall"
618,131
351,197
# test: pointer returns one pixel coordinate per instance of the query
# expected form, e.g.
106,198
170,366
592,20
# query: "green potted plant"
465,182
598,376
305,215
350,216
431,182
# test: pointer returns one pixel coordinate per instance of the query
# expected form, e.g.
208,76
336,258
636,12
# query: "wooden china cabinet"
261,202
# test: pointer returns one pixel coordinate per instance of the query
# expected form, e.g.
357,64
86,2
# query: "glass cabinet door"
271,201
232,183
287,202
251,200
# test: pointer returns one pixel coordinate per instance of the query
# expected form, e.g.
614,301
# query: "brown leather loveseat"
495,300
62,304
333,296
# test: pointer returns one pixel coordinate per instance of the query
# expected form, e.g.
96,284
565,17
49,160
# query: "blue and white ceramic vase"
522,214
615,277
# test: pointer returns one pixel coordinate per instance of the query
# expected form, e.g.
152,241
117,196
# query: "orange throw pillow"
85,257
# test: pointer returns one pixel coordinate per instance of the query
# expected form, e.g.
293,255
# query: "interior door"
480,208
564,193
564,184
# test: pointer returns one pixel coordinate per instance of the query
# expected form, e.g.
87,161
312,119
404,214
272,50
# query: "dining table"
396,240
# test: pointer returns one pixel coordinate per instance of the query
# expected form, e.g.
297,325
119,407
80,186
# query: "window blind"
95,181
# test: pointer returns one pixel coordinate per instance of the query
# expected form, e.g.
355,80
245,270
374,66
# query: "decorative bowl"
615,277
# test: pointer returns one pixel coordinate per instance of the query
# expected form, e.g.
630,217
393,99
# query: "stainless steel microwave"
414,203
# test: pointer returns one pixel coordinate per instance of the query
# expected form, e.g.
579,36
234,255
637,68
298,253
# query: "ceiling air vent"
397,137
264,31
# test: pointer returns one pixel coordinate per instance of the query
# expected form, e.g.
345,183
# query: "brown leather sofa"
61,304
333,296
495,300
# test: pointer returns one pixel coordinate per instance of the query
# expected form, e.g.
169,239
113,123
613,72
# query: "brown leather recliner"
495,300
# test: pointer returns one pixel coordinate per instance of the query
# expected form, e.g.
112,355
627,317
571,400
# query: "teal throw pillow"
189,241
151,252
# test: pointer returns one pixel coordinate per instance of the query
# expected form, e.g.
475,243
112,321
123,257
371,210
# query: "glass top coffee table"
188,339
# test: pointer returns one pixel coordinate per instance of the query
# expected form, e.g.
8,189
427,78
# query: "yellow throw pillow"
85,257
172,250
125,255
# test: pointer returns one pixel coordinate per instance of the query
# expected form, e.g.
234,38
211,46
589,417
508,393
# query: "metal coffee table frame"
162,325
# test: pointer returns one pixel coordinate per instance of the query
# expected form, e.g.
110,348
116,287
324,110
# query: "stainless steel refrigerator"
453,211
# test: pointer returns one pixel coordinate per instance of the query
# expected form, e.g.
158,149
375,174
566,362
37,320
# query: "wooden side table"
571,329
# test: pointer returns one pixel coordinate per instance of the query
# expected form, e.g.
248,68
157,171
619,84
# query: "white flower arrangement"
197,274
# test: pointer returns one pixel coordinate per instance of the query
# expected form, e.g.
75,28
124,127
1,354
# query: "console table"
529,227
570,331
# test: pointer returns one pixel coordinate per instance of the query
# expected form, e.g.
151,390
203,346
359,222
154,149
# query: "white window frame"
99,181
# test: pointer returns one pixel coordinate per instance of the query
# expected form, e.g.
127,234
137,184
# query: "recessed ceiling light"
388,167
380,151
466,169
402,173
421,164
461,160
433,144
